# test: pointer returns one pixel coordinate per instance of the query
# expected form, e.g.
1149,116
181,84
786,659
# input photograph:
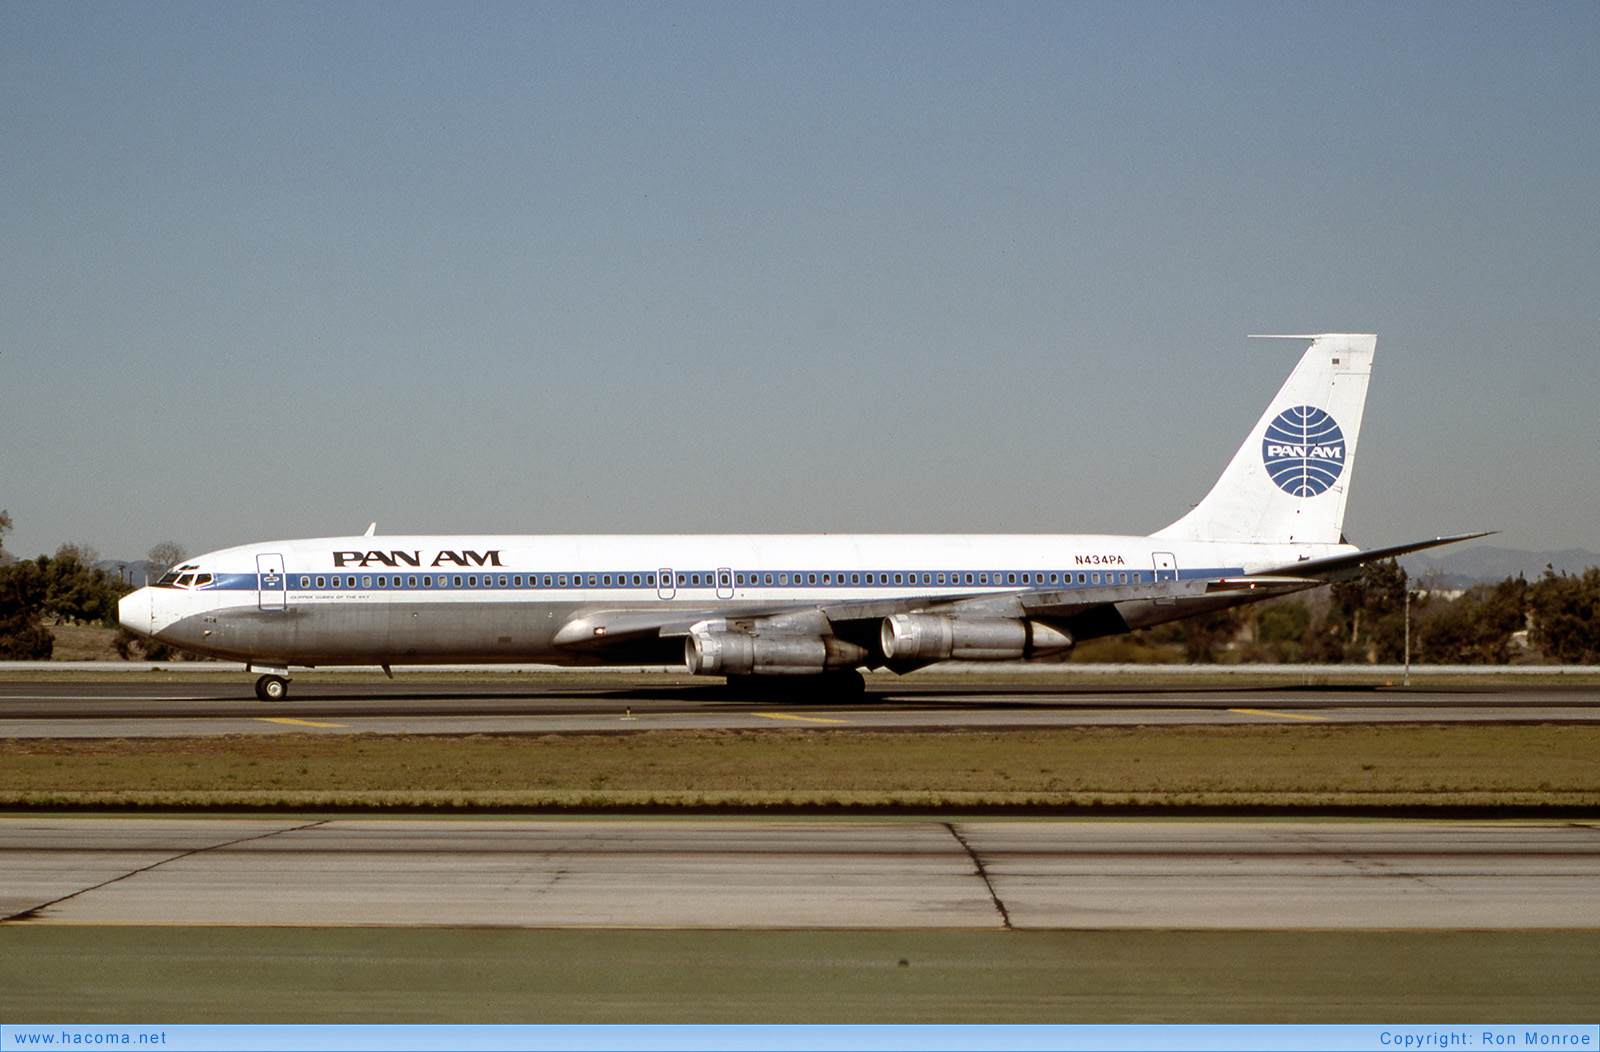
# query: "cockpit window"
184,577
174,576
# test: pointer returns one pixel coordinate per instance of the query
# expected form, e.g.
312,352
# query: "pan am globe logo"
1303,451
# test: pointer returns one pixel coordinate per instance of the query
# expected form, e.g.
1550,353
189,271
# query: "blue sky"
273,270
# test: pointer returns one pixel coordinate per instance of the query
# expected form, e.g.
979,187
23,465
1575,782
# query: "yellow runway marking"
295,722
1285,715
802,719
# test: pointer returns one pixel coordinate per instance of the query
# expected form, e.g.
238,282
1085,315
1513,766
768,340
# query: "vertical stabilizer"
1289,481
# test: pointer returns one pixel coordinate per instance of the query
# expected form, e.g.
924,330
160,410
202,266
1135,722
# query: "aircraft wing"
608,629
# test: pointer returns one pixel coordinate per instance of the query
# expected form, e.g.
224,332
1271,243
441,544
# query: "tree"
164,556
22,593
1203,634
1475,629
1276,629
75,591
86,554
1368,611
5,528
1564,610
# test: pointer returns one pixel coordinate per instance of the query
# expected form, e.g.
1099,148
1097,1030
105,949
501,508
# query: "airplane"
766,610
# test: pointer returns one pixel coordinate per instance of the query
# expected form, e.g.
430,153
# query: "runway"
741,874
126,708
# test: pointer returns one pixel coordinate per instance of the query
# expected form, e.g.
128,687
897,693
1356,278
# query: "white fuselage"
436,599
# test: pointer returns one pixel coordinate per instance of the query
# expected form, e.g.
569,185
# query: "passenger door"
1166,570
271,583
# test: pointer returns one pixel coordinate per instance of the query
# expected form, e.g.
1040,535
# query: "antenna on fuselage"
371,530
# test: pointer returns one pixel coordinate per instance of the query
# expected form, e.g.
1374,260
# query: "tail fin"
1289,481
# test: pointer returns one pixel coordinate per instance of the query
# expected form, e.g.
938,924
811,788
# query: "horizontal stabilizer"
1337,565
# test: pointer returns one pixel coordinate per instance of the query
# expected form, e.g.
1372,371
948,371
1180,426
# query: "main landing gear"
272,688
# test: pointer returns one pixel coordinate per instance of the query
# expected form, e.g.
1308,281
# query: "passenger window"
1094,578
811,578
649,579
783,578
366,581
769,578
322,582
1080,578
636,580
983,578
411,582
694,579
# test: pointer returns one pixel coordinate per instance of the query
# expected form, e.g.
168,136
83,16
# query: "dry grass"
1438,765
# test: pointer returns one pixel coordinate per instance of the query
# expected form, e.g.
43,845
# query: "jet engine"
743,654
935,637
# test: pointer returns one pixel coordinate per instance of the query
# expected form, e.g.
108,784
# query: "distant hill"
1485,563
134,573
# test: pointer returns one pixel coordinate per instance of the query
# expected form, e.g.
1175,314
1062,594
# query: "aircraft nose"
136,612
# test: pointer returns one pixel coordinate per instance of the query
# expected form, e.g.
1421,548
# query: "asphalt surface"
575,703
800,874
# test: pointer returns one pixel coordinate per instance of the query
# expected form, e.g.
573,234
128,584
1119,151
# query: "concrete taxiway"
741,874
124,708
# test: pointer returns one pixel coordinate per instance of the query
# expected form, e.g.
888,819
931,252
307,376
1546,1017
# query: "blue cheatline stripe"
704,580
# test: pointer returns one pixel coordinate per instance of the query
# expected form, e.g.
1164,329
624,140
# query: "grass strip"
1288,766
400,975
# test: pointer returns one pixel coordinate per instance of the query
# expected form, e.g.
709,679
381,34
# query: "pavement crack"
33,912
983,872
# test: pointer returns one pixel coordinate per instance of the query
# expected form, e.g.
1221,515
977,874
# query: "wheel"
272,688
